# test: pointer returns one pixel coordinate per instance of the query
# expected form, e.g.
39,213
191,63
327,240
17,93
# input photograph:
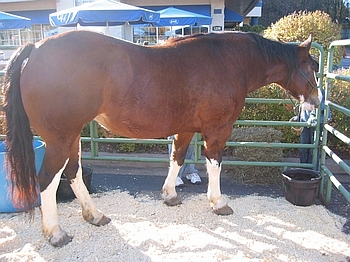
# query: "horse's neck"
275,72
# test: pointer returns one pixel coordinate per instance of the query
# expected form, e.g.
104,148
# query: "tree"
273,10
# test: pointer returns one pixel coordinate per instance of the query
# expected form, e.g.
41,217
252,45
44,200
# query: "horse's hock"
256,174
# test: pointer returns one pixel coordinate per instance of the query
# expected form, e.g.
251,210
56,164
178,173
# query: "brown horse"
191,84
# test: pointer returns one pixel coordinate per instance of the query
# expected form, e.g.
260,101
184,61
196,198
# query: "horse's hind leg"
52,164
177,157
59,157
73,172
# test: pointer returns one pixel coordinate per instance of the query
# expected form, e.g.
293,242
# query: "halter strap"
295,105
311,84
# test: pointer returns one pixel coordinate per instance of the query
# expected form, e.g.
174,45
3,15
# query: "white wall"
217,24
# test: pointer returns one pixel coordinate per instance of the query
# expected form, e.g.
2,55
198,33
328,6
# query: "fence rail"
329,130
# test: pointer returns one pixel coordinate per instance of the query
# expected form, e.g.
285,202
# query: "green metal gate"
327,175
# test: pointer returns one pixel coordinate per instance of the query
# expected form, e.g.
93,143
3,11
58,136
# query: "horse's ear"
307,43
304,47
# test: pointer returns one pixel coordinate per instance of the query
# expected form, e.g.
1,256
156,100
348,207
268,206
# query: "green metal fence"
328,177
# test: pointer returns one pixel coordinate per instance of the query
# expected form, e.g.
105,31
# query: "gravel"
144,229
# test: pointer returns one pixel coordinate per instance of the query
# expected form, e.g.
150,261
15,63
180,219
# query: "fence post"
93,134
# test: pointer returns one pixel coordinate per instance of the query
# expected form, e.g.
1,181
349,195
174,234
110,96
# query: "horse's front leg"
177,154
50,226
215,138
169,193
217,202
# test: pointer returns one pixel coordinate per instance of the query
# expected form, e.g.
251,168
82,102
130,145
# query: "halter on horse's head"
303,79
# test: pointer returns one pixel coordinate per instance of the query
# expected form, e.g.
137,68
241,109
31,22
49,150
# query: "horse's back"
133,90
70,76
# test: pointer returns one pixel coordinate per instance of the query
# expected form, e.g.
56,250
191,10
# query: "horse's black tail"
20,158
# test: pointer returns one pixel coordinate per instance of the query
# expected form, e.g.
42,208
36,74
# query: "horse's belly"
132,129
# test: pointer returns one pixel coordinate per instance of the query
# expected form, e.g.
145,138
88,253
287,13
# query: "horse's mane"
271,50
183,38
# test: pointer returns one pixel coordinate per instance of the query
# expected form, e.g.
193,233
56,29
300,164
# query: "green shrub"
298,26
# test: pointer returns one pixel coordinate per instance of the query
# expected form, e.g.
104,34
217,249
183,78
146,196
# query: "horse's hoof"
61,241
223,211
103,221
175,201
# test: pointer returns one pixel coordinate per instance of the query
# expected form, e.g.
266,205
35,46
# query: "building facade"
38,11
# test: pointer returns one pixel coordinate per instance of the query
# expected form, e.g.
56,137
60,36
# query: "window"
19,37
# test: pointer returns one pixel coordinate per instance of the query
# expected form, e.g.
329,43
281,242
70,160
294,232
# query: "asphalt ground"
139,178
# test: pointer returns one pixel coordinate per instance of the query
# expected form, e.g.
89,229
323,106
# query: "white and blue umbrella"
103,13
177,17
10,21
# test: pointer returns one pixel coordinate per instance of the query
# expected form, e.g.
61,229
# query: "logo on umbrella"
173,21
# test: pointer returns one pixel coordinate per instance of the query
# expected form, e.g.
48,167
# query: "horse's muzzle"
315,98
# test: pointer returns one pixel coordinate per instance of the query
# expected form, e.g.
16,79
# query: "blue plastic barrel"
5,196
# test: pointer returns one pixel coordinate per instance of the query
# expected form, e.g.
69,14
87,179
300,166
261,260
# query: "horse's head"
302,84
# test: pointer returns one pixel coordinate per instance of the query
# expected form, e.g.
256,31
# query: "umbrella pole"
19,37
157,35
107,28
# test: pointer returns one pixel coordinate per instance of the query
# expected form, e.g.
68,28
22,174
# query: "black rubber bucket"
301,186
64,190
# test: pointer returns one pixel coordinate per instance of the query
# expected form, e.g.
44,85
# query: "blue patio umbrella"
177,17
10,21
103,13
